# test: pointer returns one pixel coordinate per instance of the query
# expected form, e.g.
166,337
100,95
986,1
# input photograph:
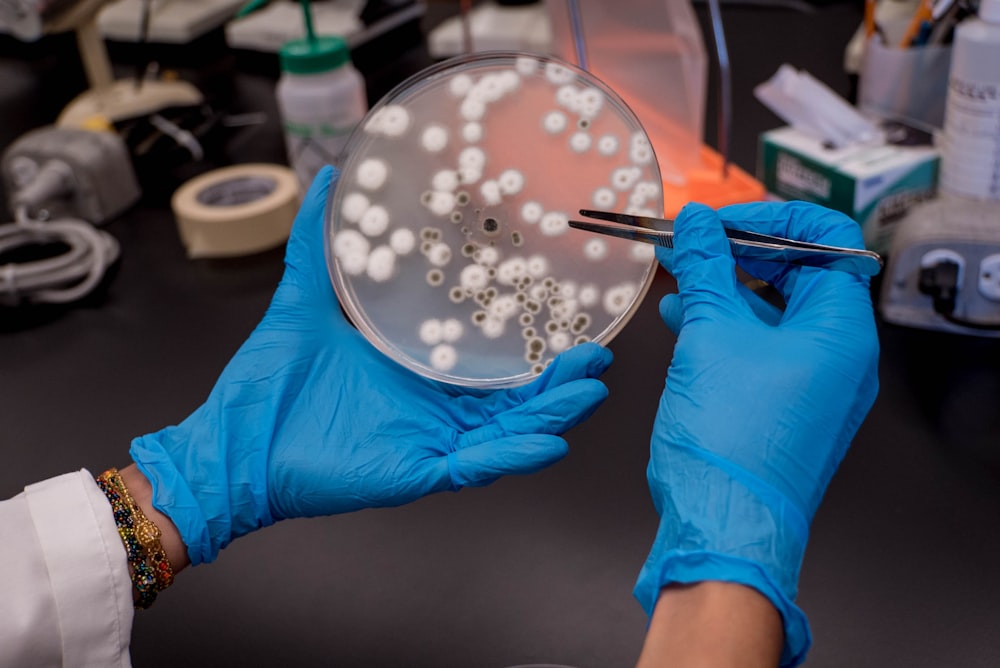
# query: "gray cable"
60,279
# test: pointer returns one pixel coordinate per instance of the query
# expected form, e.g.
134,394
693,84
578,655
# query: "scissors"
745,245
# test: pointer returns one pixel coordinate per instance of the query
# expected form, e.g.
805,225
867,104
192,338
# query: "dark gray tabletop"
902,564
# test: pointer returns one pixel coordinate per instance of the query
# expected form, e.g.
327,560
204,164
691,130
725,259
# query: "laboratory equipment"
97,181
651,52
321,97
107,98
170,21
267,28
447,233
59,181
270,25
944,268
745,244
513,25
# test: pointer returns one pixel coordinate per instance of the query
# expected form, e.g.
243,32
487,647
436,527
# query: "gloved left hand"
309,419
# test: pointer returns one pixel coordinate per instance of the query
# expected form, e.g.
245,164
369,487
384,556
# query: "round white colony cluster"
372,173
618,298
374,221
554,122
402,241
624,178
472,132
579,142
434,138
392,120
607,145
353,207
531,212
351,248
511,181
526,65
595,249
604,198
381,264
478,95
554,223
558,74
640,152
445,180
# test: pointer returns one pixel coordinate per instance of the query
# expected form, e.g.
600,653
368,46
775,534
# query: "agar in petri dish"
476,165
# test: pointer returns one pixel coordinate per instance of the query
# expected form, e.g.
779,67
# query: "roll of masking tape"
236,210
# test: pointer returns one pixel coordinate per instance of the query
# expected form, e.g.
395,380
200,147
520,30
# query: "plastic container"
448,239
970,157
321,98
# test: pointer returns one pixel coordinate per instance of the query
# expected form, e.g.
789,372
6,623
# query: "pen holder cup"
905,85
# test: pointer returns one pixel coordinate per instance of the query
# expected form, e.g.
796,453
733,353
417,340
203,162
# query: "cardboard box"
874,185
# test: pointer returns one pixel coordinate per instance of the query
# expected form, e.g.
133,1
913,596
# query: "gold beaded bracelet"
151,570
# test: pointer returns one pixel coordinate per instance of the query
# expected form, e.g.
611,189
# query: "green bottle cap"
314,56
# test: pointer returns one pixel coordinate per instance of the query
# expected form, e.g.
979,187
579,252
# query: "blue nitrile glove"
309,419
759,407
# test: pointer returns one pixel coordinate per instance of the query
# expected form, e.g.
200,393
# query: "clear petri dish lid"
447,233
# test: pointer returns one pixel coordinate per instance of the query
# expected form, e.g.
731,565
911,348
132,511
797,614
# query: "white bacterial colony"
402,241
604,198
642,252
472,132
443,357
607,145
553,224
532,212
595,250
554,122
372,173
481,179
511,181
353,207
390,121
351,248
374,221
381,264
445,180
434,139
579,142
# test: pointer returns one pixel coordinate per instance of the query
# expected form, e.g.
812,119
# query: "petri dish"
447,234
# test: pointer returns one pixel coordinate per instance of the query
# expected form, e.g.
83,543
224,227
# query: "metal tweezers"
745,245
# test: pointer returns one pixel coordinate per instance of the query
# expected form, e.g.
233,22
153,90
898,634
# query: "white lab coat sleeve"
65,594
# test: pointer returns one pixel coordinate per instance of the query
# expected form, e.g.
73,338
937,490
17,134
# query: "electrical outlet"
940,255
989,277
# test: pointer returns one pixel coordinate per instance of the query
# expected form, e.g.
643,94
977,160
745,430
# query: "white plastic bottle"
321,97
970,158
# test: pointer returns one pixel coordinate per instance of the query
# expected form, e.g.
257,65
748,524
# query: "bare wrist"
713,624
142,493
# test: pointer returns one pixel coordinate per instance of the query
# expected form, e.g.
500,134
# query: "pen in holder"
908,85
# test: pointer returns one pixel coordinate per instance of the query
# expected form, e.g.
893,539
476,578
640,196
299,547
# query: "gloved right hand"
759,406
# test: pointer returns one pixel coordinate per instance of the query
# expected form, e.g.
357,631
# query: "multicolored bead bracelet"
151,570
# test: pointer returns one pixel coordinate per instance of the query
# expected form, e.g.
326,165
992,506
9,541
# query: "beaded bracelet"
151,570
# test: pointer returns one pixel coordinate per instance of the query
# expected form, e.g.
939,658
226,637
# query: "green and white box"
874,185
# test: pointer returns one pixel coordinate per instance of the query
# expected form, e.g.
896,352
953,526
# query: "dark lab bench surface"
902,567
